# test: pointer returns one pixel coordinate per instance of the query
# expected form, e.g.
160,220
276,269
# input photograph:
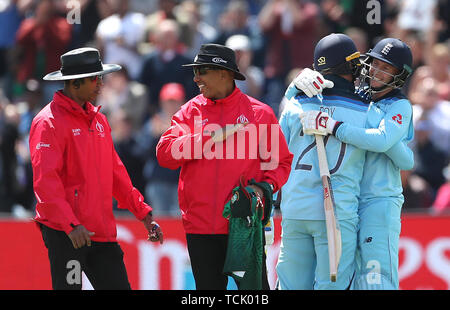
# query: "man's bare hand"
223,133
154,230
80,236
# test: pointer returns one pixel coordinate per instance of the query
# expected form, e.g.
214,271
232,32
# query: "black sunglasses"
95,78
201,70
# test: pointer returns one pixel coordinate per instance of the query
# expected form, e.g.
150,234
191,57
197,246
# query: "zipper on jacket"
94,118
216,180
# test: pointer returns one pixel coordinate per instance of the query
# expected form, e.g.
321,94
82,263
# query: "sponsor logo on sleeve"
41,145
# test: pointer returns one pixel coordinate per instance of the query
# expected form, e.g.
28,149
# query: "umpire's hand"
80,236
154,230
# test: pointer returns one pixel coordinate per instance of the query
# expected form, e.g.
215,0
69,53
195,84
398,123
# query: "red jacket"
206,181
77,172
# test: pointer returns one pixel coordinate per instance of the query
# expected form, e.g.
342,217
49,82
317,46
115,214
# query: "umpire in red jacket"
210,170
76,174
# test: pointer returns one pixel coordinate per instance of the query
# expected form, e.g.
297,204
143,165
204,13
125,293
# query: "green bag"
244,255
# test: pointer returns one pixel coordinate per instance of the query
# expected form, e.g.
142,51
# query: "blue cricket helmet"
337,54
394,52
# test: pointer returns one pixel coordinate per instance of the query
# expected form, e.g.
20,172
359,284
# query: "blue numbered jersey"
302,195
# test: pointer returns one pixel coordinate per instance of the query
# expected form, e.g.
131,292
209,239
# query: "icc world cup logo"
100,129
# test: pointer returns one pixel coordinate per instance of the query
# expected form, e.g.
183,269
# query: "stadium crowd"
151,39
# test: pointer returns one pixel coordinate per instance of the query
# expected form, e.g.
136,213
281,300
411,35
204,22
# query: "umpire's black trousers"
102,263
207,255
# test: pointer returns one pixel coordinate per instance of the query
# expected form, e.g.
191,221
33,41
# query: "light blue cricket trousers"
303,260
378,239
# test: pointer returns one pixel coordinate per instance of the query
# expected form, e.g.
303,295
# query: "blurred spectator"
10,19
92,12
188,13
166,11
290,27
390,27
121,93
440,70
119,34
24,196
442,18
27,107
442,201
213,9
11,15
236,20
432,57
17,181
162,183
254,83
9,135
432,133
145,6
418,44
3,102
127,148
290,77
432,112
417,193
416,15
437,68
164,65
359,37
41,40
333,15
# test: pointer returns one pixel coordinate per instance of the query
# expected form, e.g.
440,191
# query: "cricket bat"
223,133
333,231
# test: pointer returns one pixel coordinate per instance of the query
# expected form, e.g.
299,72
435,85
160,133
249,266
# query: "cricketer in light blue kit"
303,260
387,130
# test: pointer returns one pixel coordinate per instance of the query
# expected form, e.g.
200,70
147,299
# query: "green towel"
244,255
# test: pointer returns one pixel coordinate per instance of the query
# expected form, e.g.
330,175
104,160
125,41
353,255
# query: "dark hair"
76,83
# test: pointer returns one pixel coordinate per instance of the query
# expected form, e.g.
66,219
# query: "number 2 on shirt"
301,166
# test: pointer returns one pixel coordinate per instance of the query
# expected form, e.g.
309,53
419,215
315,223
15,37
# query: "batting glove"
317,123
311,82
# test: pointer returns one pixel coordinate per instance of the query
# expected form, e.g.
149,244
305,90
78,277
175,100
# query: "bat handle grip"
322,156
